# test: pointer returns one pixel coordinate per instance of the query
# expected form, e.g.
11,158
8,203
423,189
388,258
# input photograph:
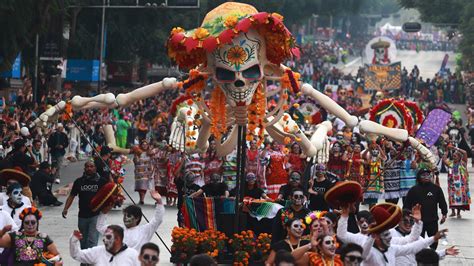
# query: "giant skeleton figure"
240,50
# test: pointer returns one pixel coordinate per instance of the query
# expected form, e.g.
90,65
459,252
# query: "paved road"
428,62
461,233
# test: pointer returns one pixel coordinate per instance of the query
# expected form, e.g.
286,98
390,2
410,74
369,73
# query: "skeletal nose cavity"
239,83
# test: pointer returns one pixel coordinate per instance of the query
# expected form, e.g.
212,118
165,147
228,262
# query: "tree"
20,21
453,13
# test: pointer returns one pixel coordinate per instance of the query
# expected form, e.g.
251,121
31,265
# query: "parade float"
240,51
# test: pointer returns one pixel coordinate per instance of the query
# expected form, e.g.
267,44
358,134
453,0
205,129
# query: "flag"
201,213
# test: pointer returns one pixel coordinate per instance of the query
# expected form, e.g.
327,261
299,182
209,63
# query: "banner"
383,77
433,125
202,213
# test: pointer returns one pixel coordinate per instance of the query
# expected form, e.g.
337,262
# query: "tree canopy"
456,14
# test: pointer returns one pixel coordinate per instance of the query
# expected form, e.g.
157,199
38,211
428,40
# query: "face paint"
316,227
129,220
330,226
386,238
295,178
297,198
363,225
215,178
150,257
353,258
406,224
16,196
238,66
108,239
30,224
328,246
296,229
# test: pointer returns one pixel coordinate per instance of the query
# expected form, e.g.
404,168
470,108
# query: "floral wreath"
31,211
316,215
392,113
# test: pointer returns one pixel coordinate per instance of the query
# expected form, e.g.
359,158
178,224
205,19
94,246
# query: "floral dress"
296,163
29,252
355,170
375,186
458,187
143,171
160,170
315,259
276,173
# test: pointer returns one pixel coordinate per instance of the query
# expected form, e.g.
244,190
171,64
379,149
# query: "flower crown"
32,210
316,215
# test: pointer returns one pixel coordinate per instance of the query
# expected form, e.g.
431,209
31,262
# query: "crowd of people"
305,231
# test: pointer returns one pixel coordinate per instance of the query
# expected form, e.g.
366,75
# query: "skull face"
238,67
379,54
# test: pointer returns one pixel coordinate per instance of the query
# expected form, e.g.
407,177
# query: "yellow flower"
237,55
176,30
280,17
200,33
230,21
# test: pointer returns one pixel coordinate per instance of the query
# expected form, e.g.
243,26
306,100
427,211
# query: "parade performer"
28,245
322,252
356,165
374,189
159,157
114,252
458,182
275,175
294,228
135,235
14,205
143,169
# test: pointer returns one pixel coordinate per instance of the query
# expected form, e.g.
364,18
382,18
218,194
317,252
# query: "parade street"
460,230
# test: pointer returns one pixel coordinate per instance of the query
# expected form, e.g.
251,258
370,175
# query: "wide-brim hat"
103,196
380,44
221,25
16,174
343,193
386,216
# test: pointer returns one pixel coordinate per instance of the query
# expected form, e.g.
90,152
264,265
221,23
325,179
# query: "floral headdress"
32,210
316,215
224,23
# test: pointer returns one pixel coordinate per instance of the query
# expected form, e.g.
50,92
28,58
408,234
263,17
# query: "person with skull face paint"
458,182
296,211
14,205
135,235
374,156
294,229
186,188
149,254
293,183
275,175
379,247
404,228
114,252
28,245
321,251
337,160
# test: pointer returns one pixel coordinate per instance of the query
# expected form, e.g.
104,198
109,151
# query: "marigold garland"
289,80
256,115
195,83
218,112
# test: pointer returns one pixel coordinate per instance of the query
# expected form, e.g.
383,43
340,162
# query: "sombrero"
14,173
343,194
103,196
221,25
386,216
380,44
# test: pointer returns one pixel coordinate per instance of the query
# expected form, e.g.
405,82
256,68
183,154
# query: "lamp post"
101,50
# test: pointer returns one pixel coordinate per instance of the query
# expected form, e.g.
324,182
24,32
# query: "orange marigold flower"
237,55
231,21
296,105
287,140
190,102
176,30
278,16
200,33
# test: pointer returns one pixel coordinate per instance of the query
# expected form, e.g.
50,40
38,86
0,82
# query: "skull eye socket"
252,72
224,75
